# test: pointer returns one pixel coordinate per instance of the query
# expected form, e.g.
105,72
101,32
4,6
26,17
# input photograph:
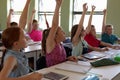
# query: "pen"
31,69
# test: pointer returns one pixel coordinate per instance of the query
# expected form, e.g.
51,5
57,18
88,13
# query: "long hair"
9,36
45,35
73,31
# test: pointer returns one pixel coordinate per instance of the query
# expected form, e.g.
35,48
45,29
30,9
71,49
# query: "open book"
79,67
94,55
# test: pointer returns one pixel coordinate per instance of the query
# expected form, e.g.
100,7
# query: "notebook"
55,76
94,55
79,67
104,62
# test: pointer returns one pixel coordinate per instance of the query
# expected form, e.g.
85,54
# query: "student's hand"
11,11
104,11
35,76
116,47
93,7
72,58
59,2
104,49
85,7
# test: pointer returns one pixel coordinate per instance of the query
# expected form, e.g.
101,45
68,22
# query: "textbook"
79,67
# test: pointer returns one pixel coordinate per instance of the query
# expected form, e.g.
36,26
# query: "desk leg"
35,59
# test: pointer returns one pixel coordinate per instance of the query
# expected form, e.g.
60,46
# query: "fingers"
59,2
104,11
85,7
11,11
93,7
36,76
73,58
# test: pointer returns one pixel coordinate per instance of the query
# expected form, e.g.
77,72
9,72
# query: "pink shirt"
36,35
57,55
91,40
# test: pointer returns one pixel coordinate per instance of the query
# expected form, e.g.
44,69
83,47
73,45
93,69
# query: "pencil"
31,69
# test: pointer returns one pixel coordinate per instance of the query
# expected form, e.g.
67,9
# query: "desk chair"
0,67
41,63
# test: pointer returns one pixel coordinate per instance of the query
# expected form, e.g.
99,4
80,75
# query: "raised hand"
85,7
93,7
104,11
11,11
59,2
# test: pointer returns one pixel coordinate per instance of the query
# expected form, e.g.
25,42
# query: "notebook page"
73,67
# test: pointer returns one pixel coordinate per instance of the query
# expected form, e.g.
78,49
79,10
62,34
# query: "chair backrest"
0,67
41,63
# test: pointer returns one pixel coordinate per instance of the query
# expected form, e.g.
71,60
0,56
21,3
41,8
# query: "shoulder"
9,54
113,35
104,33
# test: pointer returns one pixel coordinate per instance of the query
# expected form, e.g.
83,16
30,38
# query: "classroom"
45,57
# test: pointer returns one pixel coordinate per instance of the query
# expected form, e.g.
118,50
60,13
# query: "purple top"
57,55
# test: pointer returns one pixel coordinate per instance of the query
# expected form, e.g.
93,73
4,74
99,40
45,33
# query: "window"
48,7
17,6
97,17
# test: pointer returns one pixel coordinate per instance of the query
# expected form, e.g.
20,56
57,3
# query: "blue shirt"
22,63
109,38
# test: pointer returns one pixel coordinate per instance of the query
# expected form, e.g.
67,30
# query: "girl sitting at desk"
33,31
14,62
80,46
52,38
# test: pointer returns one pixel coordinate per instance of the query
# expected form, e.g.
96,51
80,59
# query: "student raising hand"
9,18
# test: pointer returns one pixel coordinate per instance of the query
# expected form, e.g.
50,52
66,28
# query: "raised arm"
31,21
104,20
23,17
55,21
50,41
88,28
9,18
47,24
80,25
